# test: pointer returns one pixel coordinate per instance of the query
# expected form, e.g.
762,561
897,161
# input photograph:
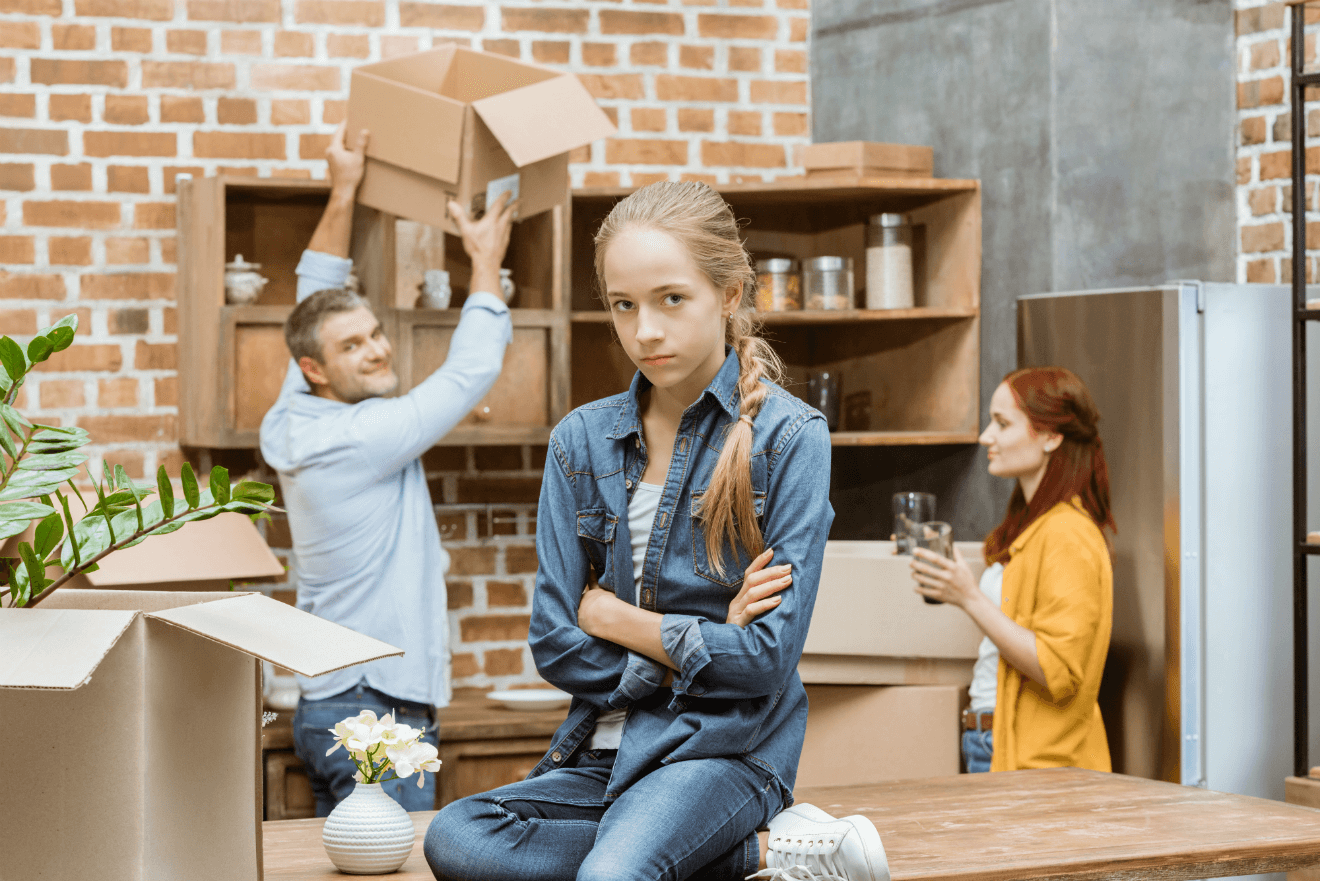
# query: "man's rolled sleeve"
681,637
640,678
318,271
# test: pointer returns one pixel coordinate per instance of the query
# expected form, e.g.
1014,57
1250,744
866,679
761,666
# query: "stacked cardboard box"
886,673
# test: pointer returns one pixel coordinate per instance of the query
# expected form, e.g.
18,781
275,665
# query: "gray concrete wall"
1102,134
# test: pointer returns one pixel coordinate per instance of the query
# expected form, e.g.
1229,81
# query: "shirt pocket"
735,563
595,528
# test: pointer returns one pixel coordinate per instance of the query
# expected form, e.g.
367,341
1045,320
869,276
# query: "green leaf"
18,585
31,484
189,485
59,432
49,533
107,475
121,477
251,491
164,491
14,419
11,357
12,527
52,461
220,484
56,446
60,338
39,349
70,321
36,569
7,442
25,511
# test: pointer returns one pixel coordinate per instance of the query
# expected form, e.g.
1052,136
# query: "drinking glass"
935,536
823,394
910,509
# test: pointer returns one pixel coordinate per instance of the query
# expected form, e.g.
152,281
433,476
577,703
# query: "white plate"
531,698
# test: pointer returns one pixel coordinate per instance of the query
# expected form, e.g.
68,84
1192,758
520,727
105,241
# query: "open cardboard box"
457,123
839,160
869,627
134,724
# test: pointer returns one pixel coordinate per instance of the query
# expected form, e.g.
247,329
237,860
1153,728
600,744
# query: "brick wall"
1264,138
102,103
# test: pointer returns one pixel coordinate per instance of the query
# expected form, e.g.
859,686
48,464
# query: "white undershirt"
985,675
641,515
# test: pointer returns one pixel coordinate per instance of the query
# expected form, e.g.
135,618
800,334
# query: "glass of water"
937,537
910,509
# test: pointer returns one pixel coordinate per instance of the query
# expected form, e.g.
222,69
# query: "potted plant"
40,466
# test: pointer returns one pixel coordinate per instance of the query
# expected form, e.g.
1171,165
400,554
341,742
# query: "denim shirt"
737,692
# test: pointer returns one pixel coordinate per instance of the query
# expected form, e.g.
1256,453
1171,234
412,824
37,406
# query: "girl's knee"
450,836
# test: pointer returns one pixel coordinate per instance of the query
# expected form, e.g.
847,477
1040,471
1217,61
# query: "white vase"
368,833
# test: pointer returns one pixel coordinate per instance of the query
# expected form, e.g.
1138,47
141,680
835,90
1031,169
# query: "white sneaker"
807,844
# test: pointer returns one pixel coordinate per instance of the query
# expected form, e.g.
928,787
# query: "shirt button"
628,483
637,441
646,596
556,756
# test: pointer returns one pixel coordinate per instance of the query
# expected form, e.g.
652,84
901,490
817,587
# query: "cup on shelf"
823,394
910,510
937,537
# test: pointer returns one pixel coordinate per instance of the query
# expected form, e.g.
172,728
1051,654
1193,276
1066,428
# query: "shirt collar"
723,389
1032,528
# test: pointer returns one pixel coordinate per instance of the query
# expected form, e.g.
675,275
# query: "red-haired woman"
1033,694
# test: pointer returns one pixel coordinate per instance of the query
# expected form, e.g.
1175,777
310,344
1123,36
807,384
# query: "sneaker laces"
803,858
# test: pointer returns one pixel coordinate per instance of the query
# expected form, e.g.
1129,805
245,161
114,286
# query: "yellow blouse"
1058,583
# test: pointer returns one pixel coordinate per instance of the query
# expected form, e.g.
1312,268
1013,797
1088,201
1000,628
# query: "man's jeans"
691,819
332,776
977,749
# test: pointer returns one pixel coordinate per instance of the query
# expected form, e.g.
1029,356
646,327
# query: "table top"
1060,823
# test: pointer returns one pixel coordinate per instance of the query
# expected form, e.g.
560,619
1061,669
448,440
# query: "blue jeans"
332,776
689,819
977,749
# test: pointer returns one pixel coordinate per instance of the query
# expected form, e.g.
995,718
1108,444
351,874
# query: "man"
366,547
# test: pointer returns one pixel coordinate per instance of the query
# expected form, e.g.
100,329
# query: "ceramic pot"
368,833
243,283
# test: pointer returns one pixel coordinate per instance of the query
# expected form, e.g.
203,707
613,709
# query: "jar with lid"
889,262
778,285
827,283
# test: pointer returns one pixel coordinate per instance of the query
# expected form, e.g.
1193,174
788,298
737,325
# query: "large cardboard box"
853,159
870,628
869,734
448,122
134,726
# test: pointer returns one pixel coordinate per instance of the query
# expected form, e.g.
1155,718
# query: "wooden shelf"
900,438
823,316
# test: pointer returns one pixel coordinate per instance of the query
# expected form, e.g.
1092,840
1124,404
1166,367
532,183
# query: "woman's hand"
949,581
592,606
759,587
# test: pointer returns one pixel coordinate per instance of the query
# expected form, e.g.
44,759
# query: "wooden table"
1061,823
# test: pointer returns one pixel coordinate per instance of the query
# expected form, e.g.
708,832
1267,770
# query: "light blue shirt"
366,546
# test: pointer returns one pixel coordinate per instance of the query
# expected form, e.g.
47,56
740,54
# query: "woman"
669,502
1033,693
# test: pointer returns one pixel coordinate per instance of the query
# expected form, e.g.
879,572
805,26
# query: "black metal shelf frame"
1301,315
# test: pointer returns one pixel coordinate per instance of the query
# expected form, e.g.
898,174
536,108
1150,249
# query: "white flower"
413,756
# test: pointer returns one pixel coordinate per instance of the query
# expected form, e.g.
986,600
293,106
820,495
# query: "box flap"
410,127
133,600
56,648
279,633
544,119
224,547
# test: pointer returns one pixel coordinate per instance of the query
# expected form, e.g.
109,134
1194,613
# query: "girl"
670,502
1044,653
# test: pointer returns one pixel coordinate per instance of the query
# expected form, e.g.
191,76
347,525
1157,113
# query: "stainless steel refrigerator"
1193,384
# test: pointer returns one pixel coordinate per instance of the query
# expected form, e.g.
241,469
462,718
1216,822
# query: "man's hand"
486,241
346,163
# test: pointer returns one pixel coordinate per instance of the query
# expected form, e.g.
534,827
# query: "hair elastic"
745,418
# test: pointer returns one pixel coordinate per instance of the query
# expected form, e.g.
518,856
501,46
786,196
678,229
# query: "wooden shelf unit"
909,376
233,358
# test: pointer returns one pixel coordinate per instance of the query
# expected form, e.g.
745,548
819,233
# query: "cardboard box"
139,714
870,627
859,734
448,122
203,555
852,159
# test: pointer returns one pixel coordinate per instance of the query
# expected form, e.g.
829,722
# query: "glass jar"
889,262
827,283
778,285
